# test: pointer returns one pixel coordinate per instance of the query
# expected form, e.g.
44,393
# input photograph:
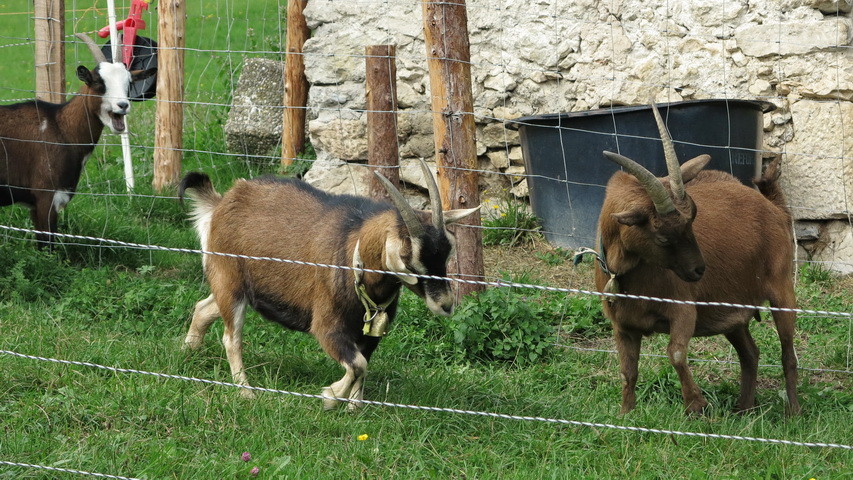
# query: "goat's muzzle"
691,274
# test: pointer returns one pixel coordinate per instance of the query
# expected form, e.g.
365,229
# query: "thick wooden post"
168,131
49,17
449,57
295,84
382,149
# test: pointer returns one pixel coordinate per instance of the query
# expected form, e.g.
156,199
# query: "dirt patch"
539,262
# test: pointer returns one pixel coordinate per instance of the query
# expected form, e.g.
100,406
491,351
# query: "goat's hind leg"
233,316
785,323
206,311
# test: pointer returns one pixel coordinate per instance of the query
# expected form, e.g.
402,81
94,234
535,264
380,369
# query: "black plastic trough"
567,172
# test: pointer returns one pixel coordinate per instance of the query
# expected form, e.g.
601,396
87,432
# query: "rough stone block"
817,170
254,123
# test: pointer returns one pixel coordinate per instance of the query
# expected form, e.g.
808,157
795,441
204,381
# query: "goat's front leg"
341,345
206,311
679,336
747,353
351,385
44,216
628,346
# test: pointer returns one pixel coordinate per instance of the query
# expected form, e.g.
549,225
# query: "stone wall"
545,56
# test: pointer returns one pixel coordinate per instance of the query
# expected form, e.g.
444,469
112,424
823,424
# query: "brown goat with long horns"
698,236
347,311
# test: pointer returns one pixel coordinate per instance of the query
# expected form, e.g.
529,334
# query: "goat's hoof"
697,409
792,410
247,394
192,343
329,402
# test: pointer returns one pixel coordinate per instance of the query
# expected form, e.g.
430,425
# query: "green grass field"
129,308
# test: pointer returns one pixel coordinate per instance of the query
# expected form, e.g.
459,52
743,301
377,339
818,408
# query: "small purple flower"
246,456
254,471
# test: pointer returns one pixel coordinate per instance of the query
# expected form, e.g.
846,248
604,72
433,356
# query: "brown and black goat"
343,309
44,146
698,236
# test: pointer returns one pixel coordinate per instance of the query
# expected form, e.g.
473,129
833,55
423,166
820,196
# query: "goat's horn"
410,218
672,165
657,192
119,50
93,47
434,197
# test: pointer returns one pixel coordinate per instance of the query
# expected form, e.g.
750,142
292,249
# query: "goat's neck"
371,241
78,119
619,260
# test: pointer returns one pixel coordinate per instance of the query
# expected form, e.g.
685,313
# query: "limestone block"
806,230
338,177
817,171
497,135
254,121
521,190
830,6
341,138
414,131
515,174
498,158
792,38
411,173
516,157
835,248
713,13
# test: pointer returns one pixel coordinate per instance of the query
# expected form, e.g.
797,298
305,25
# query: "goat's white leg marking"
232,339
357,392
351,385
60,200
206,311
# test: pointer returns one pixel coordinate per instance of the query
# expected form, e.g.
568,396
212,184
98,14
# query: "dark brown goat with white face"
696,236
289,219
44,146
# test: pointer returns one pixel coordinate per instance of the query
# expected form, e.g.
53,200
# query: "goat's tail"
768,185
199,189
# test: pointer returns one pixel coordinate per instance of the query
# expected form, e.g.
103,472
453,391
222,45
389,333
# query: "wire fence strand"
499,283
576,423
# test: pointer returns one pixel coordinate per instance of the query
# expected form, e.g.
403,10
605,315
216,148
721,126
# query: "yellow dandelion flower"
363,437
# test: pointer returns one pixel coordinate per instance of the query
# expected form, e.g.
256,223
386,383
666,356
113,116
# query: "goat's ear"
453,216
631,217
692,167
137,75
84,74
394,258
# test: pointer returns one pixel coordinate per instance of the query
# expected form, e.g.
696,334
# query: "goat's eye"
661,240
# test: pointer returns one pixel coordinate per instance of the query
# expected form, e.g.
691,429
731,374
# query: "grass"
129,308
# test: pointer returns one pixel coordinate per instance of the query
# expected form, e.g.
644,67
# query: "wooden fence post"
168,131
381,80
49,17
449,61
295,84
